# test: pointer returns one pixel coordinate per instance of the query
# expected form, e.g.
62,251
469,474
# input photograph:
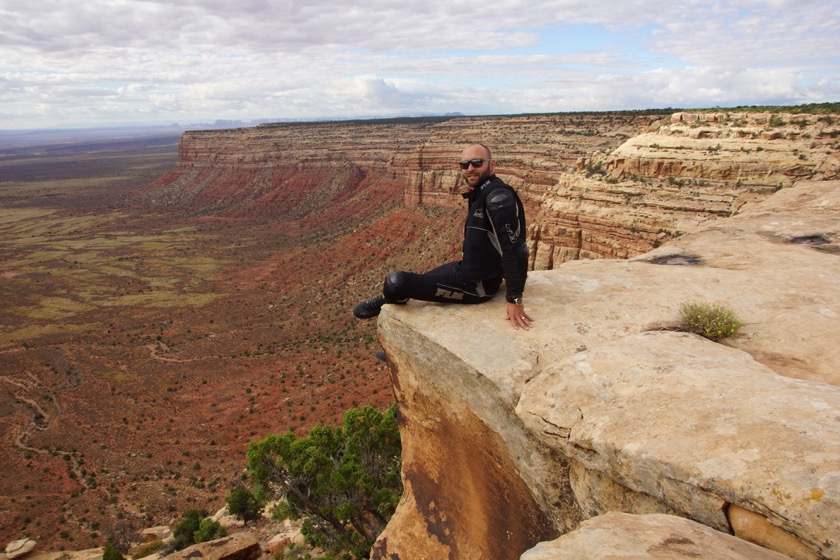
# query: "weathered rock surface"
87,554
20,547
243,545
603,407
671,179
621,536
155,533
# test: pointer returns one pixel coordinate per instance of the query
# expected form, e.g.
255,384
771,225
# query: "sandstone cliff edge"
511,438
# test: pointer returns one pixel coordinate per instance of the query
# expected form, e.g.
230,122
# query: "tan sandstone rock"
239,546
697,425
155,533
602,407
224,518
87,554
621,536
20,547
758,529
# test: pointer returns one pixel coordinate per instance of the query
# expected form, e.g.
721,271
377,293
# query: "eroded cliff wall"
598,185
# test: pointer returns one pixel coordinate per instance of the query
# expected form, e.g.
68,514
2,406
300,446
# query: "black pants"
446,283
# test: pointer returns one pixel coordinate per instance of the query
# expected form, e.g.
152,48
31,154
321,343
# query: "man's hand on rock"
517,316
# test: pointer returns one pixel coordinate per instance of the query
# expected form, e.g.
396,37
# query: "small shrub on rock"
111,552
209,530
245,505
713,321
185,531
146,549
344,482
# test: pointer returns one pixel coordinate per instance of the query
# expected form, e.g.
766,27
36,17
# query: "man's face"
475,176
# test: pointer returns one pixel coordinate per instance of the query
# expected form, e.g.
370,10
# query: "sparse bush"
209,530
294,552
595,169
776,121
713,321
146,549
111,552
243,504
185,531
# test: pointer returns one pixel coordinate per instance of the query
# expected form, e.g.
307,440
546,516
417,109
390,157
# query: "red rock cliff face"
282,172
594,185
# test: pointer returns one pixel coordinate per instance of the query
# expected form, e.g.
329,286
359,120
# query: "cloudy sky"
112,62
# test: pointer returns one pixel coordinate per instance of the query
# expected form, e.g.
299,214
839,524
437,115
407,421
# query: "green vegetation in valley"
92,264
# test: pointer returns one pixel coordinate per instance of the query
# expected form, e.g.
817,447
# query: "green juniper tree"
344,482
244,504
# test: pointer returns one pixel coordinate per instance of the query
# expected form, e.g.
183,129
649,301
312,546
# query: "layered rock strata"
598,185
514,437
676,176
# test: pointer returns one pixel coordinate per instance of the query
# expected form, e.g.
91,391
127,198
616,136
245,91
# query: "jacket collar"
474,191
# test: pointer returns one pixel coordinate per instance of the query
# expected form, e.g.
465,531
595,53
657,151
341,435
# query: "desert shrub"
111,552
713,321
294,552
595,169
344,482
209,530
146,549
776,120
244,504
185,531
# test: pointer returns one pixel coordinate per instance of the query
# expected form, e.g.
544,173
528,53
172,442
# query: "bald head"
473,174
476,151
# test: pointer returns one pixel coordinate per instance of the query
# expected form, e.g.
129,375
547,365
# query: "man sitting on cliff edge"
494,249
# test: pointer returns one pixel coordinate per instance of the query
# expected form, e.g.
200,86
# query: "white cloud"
162,61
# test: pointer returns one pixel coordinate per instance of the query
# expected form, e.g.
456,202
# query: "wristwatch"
515,301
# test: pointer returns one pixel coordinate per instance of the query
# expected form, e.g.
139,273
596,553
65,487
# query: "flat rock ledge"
238,546
623,536
514,438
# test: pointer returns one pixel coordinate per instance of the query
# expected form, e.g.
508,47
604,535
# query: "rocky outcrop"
615,536
663,182
20,547
515,437
243,545
87,554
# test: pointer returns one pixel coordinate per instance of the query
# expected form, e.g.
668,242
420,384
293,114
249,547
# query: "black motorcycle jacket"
494,236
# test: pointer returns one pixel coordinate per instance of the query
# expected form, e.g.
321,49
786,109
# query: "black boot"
370,308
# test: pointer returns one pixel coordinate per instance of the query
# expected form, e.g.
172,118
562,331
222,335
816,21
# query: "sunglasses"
477,162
